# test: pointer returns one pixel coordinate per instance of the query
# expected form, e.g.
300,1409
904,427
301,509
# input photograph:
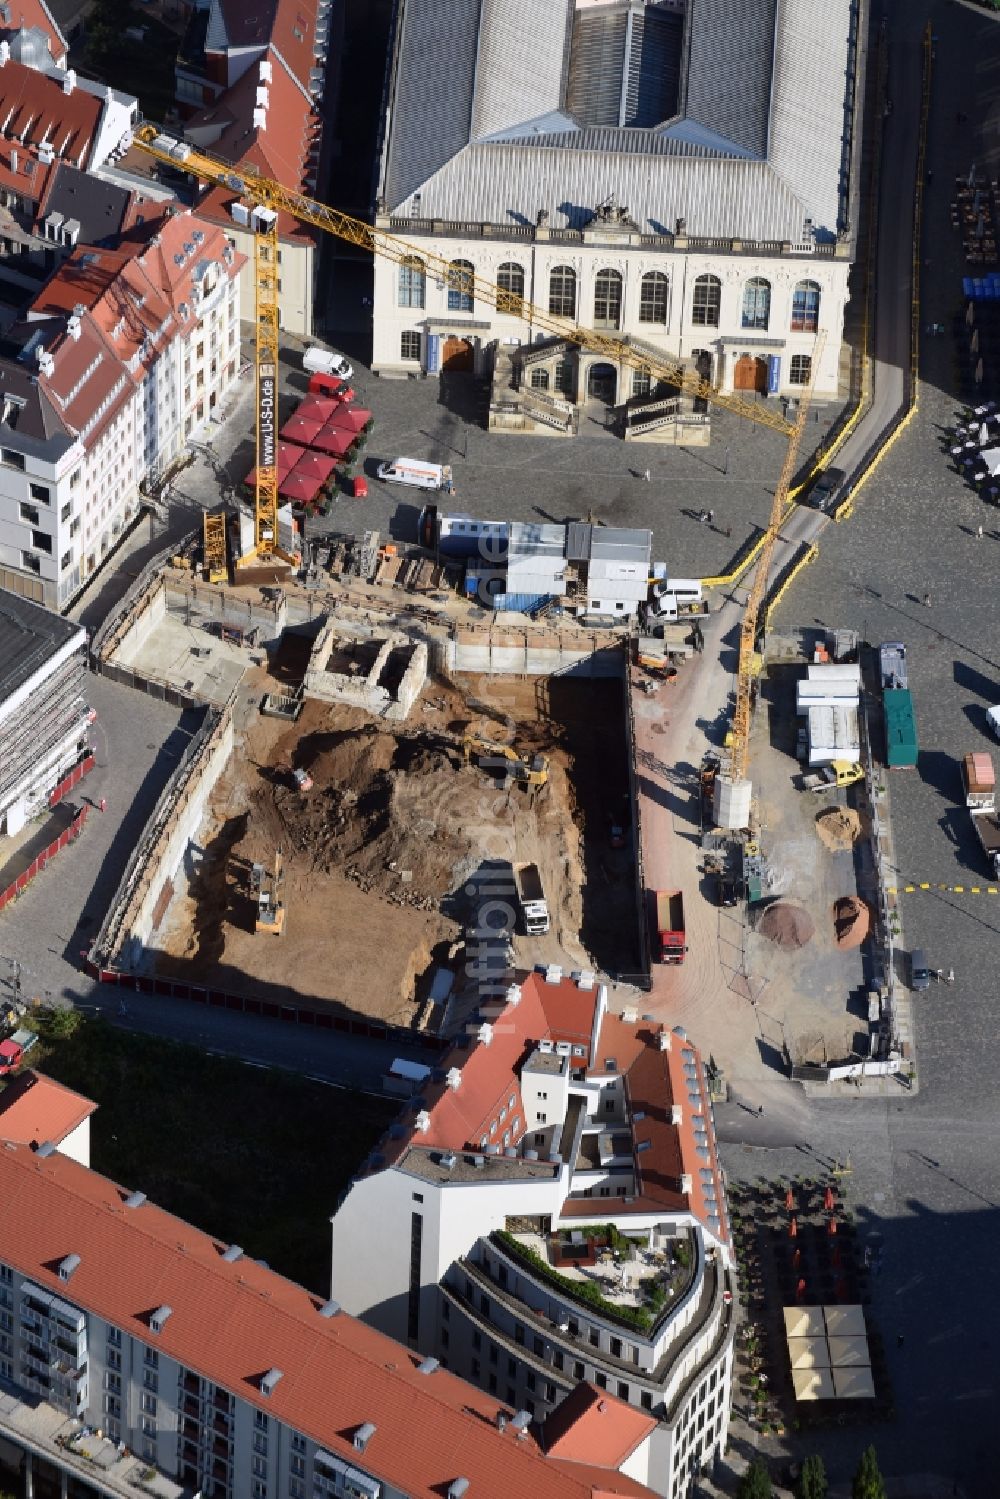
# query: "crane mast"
732,792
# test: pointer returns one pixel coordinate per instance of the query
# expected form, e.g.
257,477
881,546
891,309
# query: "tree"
755,1483
868,1480
812,1479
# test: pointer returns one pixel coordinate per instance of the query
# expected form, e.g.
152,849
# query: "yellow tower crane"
732,790
265,199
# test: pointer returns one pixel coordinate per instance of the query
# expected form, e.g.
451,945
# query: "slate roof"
29,635
761,141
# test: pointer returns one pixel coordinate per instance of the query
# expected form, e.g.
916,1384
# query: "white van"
321,362
674,596
419,475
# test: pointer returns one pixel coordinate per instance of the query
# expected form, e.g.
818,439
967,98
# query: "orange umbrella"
831,1226
829,1201
796,1259
789,1199
800,1290
793,1227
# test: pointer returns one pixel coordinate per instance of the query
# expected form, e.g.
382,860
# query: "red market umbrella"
317,408
789,1199
302,428
829,1201
831,1226
351,417
333,440
800,1290
314,466
796,1259
299,488
793,1228
289,454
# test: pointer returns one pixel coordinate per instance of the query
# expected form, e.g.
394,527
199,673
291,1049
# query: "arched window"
706,303
801,369
805,307
653,298
460,274
412,282
608,300
756,303
510,288
562,291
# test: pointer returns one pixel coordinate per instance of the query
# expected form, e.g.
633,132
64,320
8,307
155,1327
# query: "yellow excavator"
503,760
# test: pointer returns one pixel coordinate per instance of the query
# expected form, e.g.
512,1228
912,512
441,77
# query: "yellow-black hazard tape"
946,889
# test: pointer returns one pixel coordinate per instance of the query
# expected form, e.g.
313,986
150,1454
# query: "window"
538,1346
594,1336
706,302
578,1370
622,1390
445,1337
149,1402
151,1358
113,1382
66,511
30,514
259,1466
600,1379
492,1384
493,1353
558,1360
564,377
12,459
298,1443
646,1400
756,303
530,1381
641,382
41,542
616,1347
446,1311
539,379
260,1443
550,1391
460,277
7,1279
653,298
519,1334
417,1197
114,1358
510,288
412,282
805,307
150,1380
112,1405
562,293
801,369
114,1337
409,345
41,492
475,1368
260,1420
297,1465
608,300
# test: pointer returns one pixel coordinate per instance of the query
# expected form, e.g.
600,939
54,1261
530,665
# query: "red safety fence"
38,863
67,783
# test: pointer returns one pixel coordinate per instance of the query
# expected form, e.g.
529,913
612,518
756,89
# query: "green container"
900,727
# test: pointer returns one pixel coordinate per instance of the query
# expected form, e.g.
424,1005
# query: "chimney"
663,1040
69,82
4,53
13,154
676,1114
454,1078
686,1184
423,1123
73,325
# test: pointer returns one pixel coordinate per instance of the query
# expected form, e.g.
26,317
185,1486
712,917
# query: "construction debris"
838,828
786,925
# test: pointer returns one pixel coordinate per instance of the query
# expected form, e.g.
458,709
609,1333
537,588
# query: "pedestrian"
927,601
727,533
646,476
103,804
711,516
979,533
760,1111
950,976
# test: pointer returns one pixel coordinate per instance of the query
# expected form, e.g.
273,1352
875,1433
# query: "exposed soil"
399,846
851,921
838,827
786,925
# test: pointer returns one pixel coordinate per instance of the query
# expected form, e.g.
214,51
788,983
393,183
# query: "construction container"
900,728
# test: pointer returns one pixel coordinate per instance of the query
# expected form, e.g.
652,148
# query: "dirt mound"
851,921
786,925
839,827
390,813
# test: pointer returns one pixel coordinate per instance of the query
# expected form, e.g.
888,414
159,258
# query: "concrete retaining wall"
164,841
534,653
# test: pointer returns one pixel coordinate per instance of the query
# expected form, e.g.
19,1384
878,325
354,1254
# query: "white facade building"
123,358
557,1116
647,168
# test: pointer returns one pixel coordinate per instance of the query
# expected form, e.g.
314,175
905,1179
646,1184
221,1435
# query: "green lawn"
256,1158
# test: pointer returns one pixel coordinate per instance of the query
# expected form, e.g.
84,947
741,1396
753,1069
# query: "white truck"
323,362
671,597
534,909
415,472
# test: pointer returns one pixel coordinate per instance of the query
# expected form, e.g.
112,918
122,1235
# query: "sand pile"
851,921
838,827
786,925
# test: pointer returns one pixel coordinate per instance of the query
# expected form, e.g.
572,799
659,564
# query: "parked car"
727,890
825,491
920,974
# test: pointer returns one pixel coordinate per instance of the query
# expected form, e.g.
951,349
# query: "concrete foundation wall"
137,627
543,655
368,691
161,848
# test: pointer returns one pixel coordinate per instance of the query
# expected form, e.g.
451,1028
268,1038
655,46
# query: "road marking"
943,889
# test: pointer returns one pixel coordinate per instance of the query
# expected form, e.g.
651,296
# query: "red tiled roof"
294,35
35,1108
29,178
279,150
569,1011
35,106
231,1321
591,1426
28,13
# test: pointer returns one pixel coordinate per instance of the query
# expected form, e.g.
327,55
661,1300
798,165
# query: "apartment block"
551,1211
138,1354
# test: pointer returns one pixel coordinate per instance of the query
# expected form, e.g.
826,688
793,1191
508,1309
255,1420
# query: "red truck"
12,1050
670,926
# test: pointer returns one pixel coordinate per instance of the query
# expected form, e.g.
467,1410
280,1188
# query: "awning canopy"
301,428
353,418
335,440
288,456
